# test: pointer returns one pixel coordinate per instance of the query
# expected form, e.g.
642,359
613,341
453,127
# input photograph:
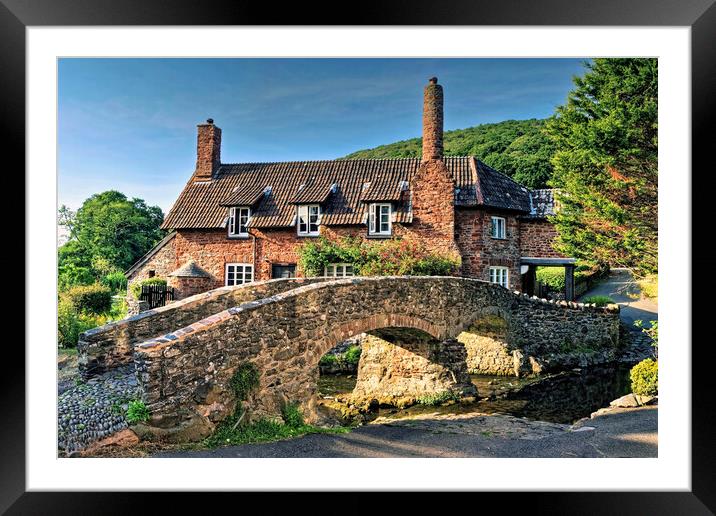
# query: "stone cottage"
242,222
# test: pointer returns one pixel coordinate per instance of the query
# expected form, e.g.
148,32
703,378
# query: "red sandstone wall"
480,251
536,238
434,206
211,249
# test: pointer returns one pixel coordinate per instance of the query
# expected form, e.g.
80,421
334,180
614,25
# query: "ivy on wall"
395,257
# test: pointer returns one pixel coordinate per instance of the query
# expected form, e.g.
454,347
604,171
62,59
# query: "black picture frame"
700,15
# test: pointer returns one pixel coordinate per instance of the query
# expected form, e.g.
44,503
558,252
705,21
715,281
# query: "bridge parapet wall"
111,345
286,334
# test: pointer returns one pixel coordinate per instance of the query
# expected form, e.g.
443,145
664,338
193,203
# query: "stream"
558,398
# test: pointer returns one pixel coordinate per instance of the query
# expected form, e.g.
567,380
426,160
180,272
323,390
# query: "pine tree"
605,165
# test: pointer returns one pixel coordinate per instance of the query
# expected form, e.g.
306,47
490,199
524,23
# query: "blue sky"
130,124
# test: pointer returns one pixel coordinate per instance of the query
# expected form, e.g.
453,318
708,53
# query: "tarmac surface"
613,432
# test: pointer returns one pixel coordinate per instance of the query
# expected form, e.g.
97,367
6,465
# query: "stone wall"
285,335
399,371
162,263
111,345
487,348
537,237
480,250
189,286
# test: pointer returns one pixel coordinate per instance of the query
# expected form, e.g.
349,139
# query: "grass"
265,430
438,398
649,285
598,300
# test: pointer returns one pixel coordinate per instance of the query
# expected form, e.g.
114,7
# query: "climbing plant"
399,256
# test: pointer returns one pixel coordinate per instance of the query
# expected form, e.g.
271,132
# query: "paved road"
620,286
617,433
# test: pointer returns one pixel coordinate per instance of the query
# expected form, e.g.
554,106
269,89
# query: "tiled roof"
542,203
500,191
190,270
245,195
341,186
315,190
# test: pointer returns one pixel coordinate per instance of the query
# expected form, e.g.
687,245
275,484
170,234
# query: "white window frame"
378,229
338,270
233,218
500,274
247,273
305,218
497,224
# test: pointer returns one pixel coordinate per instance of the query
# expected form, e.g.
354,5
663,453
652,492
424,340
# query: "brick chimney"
433,121
433,187
208,150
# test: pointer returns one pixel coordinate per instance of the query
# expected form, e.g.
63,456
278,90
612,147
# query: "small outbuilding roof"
190,270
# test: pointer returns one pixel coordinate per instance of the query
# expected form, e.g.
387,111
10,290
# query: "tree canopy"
518,148
108,233
605,165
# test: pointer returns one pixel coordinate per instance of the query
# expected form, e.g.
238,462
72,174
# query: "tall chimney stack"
208,151
433,121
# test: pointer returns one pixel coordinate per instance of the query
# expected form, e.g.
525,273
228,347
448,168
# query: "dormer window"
379,219
309,219
238,221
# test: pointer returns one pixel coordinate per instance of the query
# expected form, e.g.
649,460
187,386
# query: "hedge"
70,323
136,287
93,299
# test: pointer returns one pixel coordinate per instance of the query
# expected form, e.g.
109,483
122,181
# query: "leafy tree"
518,148
108,233
605,165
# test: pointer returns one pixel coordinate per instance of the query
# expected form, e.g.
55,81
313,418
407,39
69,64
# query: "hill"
517,148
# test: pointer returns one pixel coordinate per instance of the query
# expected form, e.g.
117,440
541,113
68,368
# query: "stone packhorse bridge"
424,333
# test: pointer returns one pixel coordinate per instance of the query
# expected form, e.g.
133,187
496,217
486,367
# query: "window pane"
349,270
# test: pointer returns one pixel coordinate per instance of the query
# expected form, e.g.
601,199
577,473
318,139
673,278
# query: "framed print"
419,251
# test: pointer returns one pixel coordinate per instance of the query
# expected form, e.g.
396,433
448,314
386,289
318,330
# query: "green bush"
352,355
137,412
68,325
136,287
116,281
71,322
553,277
93,299
645,378
292,416
328,359
598,300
